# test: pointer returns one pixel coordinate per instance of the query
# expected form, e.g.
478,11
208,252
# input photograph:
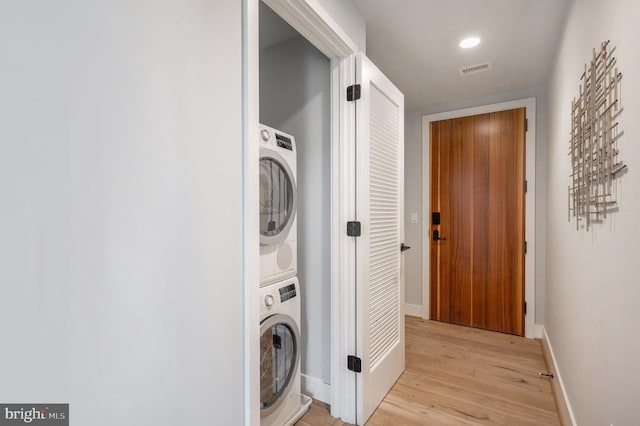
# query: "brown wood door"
477,186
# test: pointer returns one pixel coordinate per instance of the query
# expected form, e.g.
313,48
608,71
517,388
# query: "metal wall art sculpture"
593,146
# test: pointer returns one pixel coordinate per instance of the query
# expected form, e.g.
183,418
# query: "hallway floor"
461,376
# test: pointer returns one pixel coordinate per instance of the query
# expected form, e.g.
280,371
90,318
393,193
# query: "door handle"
403,247
436,236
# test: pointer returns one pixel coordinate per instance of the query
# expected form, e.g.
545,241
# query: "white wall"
295,98
347,16
414,188
593,289
120,209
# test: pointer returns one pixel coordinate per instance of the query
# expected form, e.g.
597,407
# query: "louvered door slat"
384,218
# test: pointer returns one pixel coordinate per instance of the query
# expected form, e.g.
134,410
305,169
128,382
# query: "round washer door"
277,197
279,358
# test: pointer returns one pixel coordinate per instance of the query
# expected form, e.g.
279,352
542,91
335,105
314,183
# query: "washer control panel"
269,300
273,297
287,292
284,142
277,140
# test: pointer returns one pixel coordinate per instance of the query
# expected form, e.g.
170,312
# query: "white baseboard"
557,380
538,331
413,310
315,388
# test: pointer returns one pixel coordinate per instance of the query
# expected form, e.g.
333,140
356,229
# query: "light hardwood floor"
461,376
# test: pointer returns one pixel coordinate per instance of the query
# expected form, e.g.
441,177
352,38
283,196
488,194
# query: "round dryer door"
279,357
277,198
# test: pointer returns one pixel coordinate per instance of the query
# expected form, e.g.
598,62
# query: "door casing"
530,203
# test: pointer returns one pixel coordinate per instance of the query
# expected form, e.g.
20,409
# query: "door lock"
436,236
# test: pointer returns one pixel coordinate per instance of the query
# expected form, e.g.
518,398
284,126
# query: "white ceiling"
415,43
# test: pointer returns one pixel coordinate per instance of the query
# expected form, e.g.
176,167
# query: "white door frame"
317,26
530,200
343,247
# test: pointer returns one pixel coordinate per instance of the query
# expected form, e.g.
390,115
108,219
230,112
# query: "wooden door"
477,187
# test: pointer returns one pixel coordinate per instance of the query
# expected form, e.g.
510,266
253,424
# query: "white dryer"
278,205
281,402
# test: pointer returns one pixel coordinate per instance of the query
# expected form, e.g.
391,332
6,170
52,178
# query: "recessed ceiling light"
470,42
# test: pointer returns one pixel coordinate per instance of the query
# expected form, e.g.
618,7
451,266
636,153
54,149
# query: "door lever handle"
436,236
404,248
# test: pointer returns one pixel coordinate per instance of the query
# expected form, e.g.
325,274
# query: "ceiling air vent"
474,69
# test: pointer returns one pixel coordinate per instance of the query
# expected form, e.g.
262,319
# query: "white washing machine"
278,206
281,402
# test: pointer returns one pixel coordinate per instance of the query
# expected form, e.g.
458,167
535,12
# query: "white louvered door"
379,205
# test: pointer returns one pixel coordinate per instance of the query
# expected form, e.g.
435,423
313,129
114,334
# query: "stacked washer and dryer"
281,400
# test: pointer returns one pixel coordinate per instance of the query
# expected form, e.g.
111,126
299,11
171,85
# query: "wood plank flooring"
461,376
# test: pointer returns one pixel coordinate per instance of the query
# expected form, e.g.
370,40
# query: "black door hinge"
354,229
354,364
353,92
526,124
525,247
526,186
525,307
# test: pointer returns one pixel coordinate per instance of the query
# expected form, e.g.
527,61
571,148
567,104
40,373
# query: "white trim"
316,25
558,376
315,388
343,247
250,220
413,310
538,331
337,344
530,200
